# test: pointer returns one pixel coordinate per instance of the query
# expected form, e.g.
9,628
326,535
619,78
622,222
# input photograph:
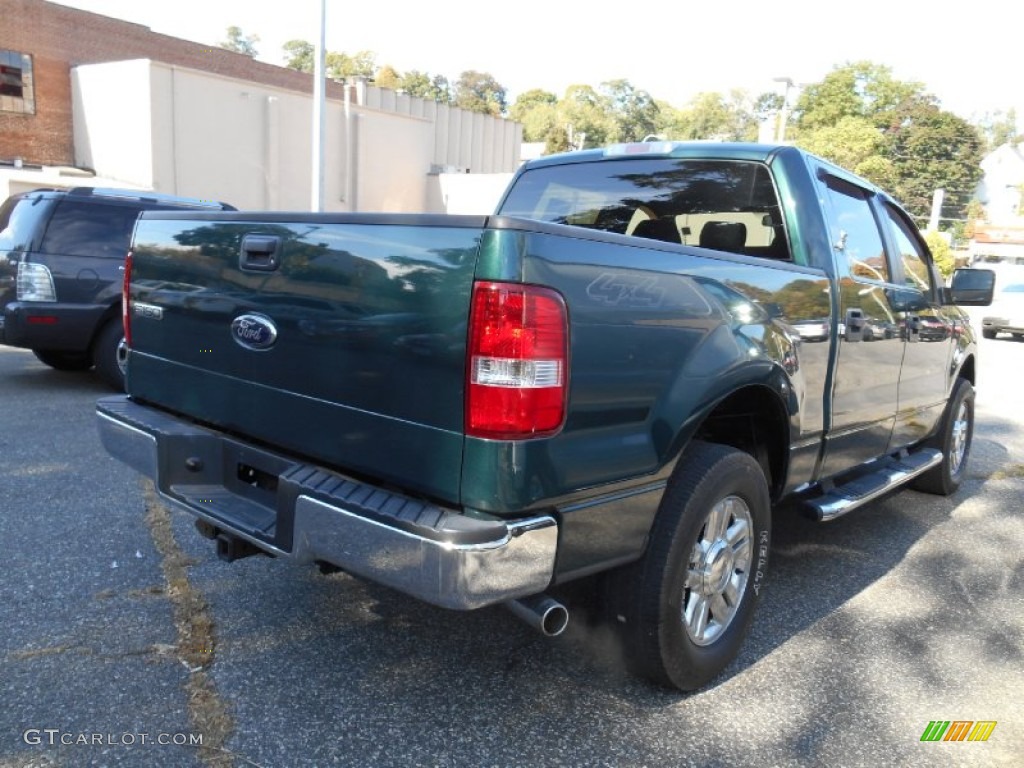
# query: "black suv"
62,258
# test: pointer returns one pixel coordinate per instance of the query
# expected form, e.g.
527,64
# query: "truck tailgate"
339,337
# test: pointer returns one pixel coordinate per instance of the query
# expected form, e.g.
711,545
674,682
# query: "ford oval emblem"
254,332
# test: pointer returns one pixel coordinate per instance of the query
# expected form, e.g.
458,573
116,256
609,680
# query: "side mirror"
972,287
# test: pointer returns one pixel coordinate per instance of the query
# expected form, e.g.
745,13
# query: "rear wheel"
63,361
954,440
684,609
106,354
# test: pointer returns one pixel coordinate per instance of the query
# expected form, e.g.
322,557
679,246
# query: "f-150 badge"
254,332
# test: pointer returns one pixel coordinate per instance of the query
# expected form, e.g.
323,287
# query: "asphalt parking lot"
126,642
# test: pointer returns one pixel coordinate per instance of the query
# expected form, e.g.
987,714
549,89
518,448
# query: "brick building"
146,110
49,39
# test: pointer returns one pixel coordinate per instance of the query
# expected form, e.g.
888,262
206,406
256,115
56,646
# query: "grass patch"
197,641
1009,472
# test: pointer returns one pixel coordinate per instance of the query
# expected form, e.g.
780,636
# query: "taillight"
34,283
518,362
126,302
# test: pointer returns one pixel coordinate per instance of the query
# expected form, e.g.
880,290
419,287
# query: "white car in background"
1006,314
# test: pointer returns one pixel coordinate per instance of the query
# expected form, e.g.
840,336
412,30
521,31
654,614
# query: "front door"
865,392
929,332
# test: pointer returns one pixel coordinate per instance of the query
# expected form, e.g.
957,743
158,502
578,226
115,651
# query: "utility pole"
319,117
783,116
933,220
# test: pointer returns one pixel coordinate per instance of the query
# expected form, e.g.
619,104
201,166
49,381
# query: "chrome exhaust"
542,613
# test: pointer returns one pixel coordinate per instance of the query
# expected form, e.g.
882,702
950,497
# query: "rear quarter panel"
659,334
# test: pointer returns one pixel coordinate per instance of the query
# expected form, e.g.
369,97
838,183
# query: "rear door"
338,338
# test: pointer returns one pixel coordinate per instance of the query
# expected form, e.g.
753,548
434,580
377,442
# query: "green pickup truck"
622,372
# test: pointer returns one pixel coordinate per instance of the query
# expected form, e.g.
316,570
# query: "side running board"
891,472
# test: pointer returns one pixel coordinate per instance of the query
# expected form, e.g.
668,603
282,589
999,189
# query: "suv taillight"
34,283
518,362
126,303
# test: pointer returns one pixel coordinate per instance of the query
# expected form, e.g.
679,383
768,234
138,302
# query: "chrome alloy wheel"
959,438
718,571
122,356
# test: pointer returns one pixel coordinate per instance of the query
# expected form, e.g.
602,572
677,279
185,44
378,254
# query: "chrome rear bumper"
310,514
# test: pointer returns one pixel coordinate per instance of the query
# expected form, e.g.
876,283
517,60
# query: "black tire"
63,361
656,603
954,440
988,333
105,354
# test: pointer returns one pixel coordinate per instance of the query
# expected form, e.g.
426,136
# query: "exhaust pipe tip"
541,612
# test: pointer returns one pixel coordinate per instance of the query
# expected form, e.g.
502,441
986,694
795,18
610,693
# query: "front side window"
17,91
854,231
911,253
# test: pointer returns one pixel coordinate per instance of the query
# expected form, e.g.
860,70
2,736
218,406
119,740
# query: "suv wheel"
106,352
63,361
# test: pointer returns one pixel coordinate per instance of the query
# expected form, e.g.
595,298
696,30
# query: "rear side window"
19,222
90,229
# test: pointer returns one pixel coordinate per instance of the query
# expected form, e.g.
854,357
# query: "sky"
966,54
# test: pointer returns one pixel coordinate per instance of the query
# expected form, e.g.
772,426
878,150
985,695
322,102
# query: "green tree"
767,105
480,92
423,85
670,123
931,149
239,42
556,140
387,77
999,128
583,116
705,117
300,55
860,89
632,113
342,65
942,253
537,110
852,143
894,134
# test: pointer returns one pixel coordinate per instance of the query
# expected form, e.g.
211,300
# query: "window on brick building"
17,93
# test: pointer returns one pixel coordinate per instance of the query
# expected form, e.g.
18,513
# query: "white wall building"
150,125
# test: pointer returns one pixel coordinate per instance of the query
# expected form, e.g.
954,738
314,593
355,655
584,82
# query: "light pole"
319,116
783,116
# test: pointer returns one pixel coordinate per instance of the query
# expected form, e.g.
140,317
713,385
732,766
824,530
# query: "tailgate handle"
260,253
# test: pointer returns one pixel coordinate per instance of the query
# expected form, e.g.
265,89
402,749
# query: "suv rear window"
19,220
90,229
